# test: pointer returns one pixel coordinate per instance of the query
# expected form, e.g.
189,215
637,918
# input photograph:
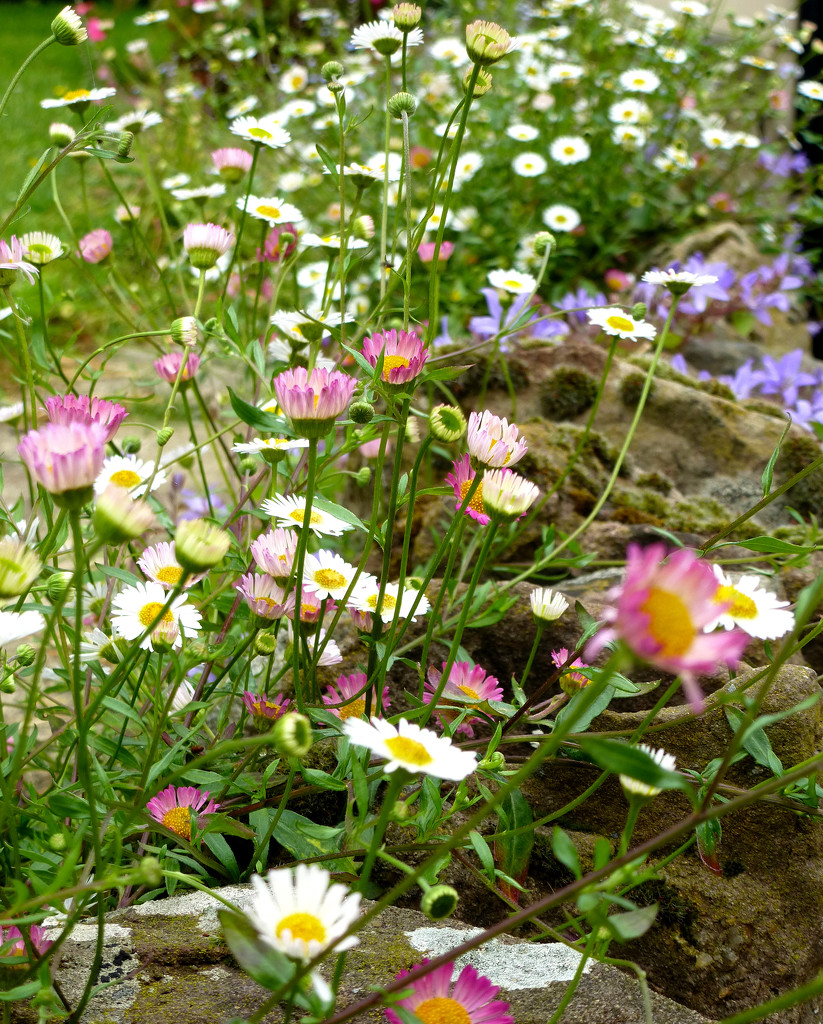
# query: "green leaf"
32,174
513,852
632,924
771,545
232,325
565,851
742,320
120,707
768,472
222,851
304,839
118,574
322,779
481,848
329,164
262,421
446,372
337,510
20,991
623,759
263,964
579,723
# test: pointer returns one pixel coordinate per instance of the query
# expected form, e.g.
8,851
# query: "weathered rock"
166,963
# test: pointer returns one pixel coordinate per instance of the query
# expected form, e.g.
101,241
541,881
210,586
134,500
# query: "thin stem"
24,349
300,561
236,251
58,365
407,168
395,783
201,291
19,73
537,637
384,222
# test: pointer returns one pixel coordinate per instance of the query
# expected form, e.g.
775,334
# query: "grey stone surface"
165,963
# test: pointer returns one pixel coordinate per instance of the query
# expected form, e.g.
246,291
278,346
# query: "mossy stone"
567,392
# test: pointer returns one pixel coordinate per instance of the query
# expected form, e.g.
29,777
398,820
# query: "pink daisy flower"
274,552
265,710
311,607
96,245
11,259
469,1001
280,243
461,480
175,805
313,401
349,691
265,597
426,251
168,366
11,933
64,457
471,687
403,355
570,681
232,163
659,613
493,441
206,243
82,409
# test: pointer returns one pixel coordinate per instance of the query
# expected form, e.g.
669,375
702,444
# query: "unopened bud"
265,643
124,144
486,42
402,103
447,423
58,842
361,412
199,546
25,654
406,16
247,466
61,134
68,29
400,812
292,735
336,86
130,445
363,475
58,585
493,763
164,435
7,684
544,241
439,902
151,871
363,227
184,330
639,310
481,86
332,69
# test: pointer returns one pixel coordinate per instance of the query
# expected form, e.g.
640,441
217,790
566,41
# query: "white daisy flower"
561,218
159,563
629,135
75,96
678,277
692,8
383,37
811,90
175,181
618,324
136,121
565,73
151,18
309,239
242,107
522,132
758,612
629,111
746,140
183,696
299,912
569,149
468,164
135,608
367,594
16,626
410,748
673,55
271,209
717,138
260,130
639,80
130,473
513,281
331,652
202,192
760,63
327,574
294,80
290,510
547,605
449,49
313,274
264,445
529,165
9,413
177,93
41,247
661,758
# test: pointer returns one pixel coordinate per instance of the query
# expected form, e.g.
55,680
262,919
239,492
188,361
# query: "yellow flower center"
169,574
442,1010
669,622
269,211
410,751
76,94
299,516
620,323
259,133
391,362
561,218
742,605
269,602
469,692
353,710
40,249
303,927
476,504
329,579
569,150
150,611
178,819
511,283
296,81
125,478
261,707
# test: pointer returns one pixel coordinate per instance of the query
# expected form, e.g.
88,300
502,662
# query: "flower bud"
124,144
639,310
363,227
439,902
544,241
363,475
118,517
486,42
361,412
406,16
7,684
292,735
402,103
19,567
61,134
151,871
494,762
265,643
58,842
131,445
164,435
68,29
184,330
199,546
481,86
25,655
58,585
447,423
336,86
400,812
247,466
332,69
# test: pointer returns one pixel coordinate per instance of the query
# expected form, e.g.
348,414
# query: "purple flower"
745,380
701,295
579,301
500,319
784,376
197,506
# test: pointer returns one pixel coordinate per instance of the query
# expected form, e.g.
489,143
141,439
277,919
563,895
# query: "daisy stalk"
41,46
24,348
157,195
407,171
256,147
384,220
299,564
58,365
434,280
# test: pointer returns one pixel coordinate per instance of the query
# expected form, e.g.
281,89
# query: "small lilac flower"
784,376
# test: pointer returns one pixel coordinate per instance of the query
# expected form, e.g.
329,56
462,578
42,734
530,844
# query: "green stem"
407,168
236,250
201,291
19,73
384,222
300,561
635,806
262,846
24,349
568,995
537,637
396,782
58,365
